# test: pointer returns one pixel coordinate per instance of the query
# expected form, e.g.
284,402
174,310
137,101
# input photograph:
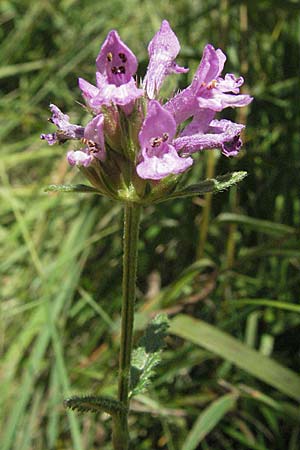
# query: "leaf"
89,403
231,349
208,419
81,188
263,226
211,185
288,306
148,355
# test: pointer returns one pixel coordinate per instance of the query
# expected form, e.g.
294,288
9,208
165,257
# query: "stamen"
155,142
212,84
91,145
109,56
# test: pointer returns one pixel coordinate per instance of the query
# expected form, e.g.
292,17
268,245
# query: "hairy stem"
132,213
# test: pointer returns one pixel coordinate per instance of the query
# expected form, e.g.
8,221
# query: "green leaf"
288,306
231,349
89,403
208,419
211,185
262,226
81,188
148,355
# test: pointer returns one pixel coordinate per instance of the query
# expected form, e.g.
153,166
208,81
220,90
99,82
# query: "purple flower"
204,133
65,131
208,90
132,132
162,50
116,61
94,140
79,158
116,65
159,156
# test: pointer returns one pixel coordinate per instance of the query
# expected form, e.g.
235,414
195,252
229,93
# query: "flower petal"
158,124
183,105
200,122
94,133
166,163
110,93
162,50
217,100
66,130
222,134
210,67
115,60
159,157
79,158
51,138
230,83
88,90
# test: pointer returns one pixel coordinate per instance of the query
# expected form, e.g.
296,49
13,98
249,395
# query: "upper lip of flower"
162,49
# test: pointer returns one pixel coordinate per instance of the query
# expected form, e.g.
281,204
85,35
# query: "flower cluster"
134,139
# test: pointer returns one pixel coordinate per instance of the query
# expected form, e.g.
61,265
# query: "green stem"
132,214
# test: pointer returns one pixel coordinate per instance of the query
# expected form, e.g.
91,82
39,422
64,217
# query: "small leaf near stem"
148,354
72,188
211,185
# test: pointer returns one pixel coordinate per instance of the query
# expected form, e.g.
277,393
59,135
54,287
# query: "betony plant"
134,150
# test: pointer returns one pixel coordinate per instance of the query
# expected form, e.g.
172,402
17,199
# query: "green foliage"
208,419
212,185
238,353
71,188
148,354
61,254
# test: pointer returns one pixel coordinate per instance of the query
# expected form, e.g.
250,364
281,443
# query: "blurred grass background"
61,254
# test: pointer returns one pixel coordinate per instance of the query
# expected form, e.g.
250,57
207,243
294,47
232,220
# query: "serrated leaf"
211,185
80,188
148,355
89,403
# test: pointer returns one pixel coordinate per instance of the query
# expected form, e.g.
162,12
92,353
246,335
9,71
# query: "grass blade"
262,226
231,349
208,419
288,306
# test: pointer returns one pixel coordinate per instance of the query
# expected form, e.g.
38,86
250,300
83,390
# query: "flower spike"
135,146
